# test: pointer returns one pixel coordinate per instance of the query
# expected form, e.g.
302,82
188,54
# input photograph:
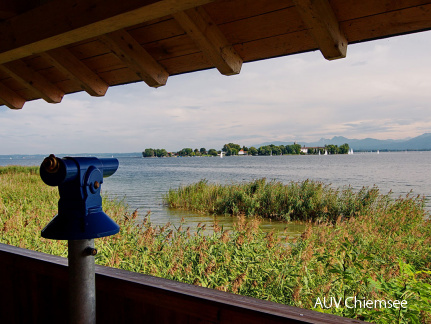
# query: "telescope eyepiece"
51,164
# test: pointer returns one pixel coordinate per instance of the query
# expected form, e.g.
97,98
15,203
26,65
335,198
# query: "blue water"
141,182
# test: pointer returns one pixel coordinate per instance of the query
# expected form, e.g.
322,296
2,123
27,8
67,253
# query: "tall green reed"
306,201
374,253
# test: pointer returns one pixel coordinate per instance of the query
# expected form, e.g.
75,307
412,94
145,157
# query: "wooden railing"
33,289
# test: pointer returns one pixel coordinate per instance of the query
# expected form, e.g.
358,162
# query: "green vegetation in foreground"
380,253
304,201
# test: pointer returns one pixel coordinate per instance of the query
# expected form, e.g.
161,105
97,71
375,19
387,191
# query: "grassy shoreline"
380,254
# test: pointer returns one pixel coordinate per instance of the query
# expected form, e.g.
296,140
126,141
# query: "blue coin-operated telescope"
79,179
80,220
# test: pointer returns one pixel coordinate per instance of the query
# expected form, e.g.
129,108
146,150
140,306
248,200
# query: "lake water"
142,182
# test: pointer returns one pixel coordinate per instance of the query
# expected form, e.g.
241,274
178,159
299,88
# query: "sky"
382,90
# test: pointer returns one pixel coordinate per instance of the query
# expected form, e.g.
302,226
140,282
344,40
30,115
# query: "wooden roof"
55,47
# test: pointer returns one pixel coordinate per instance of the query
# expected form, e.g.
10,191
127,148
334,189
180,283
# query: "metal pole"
82,283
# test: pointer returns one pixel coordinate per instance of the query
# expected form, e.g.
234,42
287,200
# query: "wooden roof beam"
10,98
75,20
33,80
208,37
136,57
323,25
11,8
8,9
74,69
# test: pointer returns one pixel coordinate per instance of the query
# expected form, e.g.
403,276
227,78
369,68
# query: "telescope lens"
50,164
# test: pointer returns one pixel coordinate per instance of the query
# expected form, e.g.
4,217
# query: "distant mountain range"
422,142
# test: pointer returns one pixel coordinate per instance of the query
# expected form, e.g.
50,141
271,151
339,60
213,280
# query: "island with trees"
232,149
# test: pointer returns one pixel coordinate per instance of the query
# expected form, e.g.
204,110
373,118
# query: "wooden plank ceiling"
49,48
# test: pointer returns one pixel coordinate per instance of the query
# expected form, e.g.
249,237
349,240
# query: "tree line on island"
236,149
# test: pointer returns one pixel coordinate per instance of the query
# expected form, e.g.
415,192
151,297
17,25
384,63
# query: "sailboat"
326,152
221,154
378,152
350,151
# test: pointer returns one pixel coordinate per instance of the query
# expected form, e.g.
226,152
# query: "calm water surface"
143,182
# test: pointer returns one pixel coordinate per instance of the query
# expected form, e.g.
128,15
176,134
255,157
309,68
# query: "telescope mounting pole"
82,281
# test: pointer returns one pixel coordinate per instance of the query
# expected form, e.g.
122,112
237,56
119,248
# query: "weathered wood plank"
12,84
250,51
12,8
353,9
53,75
164,29
388,24
323,25
33,80
200,27
264,45
73,68
104,62
239,32
34,288
120,76
182,64
75,20
27,94
88,49
280,45
136,58
271,24
228,11
172,47
10,98
6,302
68,86
37,62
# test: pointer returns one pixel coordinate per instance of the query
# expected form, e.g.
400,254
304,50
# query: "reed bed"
304,201
384,254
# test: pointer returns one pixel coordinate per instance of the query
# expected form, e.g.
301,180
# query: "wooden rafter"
8,9
10,97
11,8
75,20
33,80
208,37
76,70
149,39
323,25
136,57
